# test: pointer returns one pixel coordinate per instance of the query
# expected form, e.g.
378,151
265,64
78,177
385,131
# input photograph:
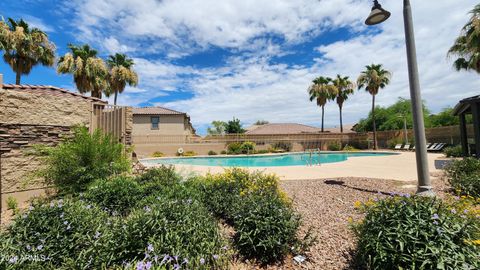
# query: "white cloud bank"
251,87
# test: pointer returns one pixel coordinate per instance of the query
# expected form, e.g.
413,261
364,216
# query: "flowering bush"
86,157
171,233
116,196
464,176
156,179
404,232
50,235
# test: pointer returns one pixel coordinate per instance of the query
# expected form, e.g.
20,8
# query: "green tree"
344,88
373,79
466,47
444,118
90,73
322,90
261,122
234,127
120,74
25,47
218,128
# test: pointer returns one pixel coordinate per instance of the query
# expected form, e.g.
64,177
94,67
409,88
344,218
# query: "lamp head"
377,15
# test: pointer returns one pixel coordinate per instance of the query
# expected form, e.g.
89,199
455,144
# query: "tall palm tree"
25,47
344,88
120,74
322,91
90,73
467,45
373,79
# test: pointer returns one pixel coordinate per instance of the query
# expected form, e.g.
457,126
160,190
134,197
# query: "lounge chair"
432,146
406,147
438,147
398,147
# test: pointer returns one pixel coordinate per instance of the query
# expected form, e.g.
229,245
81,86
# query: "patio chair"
398,147
438,147
432,146
406,147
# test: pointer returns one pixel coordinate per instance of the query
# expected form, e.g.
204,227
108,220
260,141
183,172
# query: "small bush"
189,154
156,179
182,231
335,146
12,203
248,147
464,176
158,154
223,152
116,196
453,151
212,153
349,148
75,163
285,146
417,233
266,229
234,148
60,234
263,151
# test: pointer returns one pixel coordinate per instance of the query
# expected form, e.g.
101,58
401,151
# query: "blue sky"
253,59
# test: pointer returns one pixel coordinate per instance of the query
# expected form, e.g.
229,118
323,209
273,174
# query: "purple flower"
147,209
28,247
465,211
150,248
39,247
216,257
185,261
176,266
148,265
453,211
439,231
435,222
407,195
97,234
435,216
140,266
30,208
88,206
225,247
52,204
68,227
202,261
175,257
65,222
13,259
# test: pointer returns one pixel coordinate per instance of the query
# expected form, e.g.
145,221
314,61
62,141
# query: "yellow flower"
476,242
357,204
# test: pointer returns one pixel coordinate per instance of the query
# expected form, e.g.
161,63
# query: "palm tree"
120,74
344,88
467,45
25,47
373,79
89,72
322,91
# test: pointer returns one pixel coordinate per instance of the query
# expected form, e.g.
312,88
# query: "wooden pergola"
471,106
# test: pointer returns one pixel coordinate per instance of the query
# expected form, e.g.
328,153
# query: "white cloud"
38,23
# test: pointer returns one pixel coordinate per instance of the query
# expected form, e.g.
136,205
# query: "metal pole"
424,185
405,129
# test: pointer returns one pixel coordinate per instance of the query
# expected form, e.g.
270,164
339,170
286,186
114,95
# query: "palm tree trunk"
323,115
375,146
341,120
18,77
97,94
115,98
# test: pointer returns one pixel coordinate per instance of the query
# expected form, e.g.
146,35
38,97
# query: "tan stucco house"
159,121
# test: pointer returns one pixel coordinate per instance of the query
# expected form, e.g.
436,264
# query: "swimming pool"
294,159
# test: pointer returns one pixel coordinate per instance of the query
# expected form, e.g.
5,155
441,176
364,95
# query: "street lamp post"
379,15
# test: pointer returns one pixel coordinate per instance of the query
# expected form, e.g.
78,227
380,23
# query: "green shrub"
116,196
212,153
335,146
189,154
453,151
156,179
158,154
263,151
286,146
234,148
223,152
464,176
417,233
265,228
248,147
349,148
12,203
59,234
75,163
181,229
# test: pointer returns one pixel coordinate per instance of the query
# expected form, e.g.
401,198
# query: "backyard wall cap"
48,90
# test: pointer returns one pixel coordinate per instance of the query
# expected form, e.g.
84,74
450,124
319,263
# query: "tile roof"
283,128
47,90
155,110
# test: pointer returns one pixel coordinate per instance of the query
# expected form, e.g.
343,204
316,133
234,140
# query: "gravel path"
326,206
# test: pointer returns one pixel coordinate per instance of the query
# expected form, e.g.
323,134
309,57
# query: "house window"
154,120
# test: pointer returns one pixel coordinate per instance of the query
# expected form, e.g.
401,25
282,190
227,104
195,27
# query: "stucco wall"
169,125
19,107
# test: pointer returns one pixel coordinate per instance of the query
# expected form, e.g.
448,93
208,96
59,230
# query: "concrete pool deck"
400,167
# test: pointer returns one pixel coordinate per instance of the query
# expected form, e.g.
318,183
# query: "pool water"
295,159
